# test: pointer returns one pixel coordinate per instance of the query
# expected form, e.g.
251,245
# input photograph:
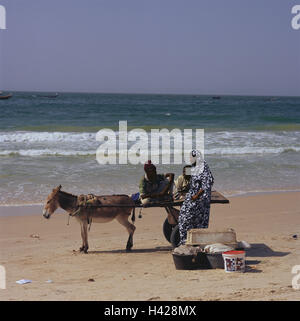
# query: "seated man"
182,183
155,187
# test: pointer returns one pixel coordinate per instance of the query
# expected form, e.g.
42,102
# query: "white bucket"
234,261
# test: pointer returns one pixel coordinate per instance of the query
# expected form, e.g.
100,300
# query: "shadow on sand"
262,250
256,250
133,251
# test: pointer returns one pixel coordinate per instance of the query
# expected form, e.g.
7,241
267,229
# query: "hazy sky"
151,46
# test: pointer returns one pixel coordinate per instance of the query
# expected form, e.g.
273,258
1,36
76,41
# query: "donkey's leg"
84,236
123,219
86,244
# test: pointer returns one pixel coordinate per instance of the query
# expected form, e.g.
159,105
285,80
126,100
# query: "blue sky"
151,46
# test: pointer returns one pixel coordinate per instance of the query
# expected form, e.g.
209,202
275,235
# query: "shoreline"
24,209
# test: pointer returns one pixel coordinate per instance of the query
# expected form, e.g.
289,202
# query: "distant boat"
5,96
48,96
216,97
270,99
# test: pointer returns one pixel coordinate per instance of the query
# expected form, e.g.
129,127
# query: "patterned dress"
195,214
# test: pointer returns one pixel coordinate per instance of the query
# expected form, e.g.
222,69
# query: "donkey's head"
52,203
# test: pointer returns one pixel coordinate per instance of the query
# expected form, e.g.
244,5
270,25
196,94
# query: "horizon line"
145,93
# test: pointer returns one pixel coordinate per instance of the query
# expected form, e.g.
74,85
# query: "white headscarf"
196,156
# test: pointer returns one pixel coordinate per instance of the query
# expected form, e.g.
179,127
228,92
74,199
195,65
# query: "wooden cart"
170,225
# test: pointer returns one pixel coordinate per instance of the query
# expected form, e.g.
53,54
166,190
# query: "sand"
40,250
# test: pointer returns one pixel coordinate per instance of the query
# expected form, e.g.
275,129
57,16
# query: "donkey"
85,215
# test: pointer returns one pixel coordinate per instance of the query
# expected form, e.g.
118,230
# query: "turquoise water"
251,143
89,112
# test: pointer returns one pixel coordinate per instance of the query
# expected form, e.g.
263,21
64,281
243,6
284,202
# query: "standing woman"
194,212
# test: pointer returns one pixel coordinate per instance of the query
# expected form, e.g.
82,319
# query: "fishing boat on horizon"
5,96
48,96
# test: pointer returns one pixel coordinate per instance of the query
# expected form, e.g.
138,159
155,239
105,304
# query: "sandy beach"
41,250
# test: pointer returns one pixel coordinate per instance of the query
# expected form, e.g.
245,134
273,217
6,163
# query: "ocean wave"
210,137
235,193
45,152
211,152
252,150
33,137
36,137
34,144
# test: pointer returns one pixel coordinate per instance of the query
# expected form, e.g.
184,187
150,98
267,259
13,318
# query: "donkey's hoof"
84,249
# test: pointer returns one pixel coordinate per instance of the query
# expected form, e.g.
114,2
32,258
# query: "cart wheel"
175,236
167,229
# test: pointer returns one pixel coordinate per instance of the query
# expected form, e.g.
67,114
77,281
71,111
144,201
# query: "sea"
251,144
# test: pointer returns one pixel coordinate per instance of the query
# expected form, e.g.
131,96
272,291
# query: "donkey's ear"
57,189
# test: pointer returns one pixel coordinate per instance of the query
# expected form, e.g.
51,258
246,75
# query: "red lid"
234,252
